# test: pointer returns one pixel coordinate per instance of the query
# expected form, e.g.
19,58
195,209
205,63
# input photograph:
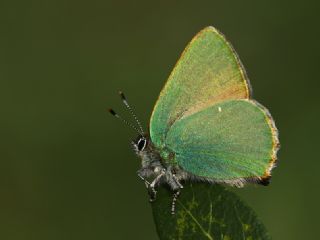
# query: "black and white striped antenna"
139,129
125,102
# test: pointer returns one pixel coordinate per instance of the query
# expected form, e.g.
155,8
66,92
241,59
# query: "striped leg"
174,199
152,190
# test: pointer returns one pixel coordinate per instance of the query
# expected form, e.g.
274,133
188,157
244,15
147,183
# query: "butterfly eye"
141,144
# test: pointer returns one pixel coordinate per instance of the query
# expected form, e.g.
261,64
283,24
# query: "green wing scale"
207,72
226,141
204,116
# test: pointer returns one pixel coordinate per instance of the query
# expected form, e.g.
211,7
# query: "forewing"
230,140
208,71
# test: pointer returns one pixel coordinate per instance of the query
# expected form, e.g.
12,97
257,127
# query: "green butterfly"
205,126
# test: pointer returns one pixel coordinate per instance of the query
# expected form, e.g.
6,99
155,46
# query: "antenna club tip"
122,95
112,112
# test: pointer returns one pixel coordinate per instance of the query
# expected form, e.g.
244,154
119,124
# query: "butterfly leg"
172,178
174,199
144,180
177,181
152,190
142,174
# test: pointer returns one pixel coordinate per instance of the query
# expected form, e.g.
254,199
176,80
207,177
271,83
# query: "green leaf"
205,212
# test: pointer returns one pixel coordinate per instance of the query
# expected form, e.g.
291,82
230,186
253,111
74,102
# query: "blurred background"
66,167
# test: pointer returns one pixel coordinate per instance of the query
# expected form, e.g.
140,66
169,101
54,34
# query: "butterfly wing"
231,140
208,71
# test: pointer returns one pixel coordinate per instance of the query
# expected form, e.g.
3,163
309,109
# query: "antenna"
125,102
125,121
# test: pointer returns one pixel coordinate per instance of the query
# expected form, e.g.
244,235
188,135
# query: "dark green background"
67,170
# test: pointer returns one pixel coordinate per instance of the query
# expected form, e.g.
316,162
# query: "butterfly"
205,126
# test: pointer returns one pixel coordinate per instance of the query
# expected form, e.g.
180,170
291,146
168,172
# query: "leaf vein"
196,222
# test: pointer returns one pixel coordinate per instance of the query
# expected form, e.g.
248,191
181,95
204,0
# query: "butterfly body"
154,164
205,125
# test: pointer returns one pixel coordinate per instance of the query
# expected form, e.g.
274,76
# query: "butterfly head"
140,144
